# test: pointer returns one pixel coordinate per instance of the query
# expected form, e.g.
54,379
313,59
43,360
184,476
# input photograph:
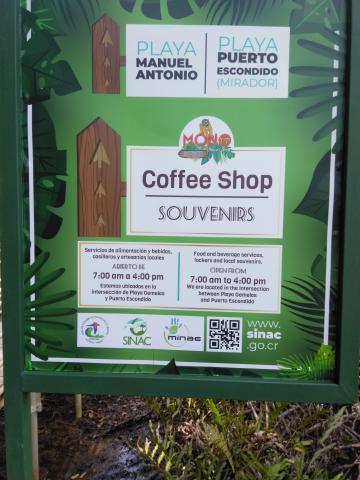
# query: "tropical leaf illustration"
306,301
216,152
319,366
156,8
318,267
42,319
237,11
49,163
68,14
327,84
315,203
42,75
42,19
310,16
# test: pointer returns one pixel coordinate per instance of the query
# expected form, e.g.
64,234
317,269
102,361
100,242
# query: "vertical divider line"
205,76
178,277
31,170
330,222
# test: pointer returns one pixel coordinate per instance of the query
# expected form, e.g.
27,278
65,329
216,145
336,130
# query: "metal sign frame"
19,382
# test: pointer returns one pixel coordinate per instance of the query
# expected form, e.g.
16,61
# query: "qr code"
224,335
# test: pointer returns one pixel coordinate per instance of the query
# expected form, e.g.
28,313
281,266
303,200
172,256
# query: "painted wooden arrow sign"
99,182
106,56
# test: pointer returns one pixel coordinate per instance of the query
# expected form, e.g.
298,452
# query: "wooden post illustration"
99,182
106,56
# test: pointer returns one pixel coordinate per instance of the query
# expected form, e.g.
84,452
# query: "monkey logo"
206,138
206,128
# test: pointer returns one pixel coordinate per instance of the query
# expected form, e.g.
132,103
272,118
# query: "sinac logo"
137,326
206,138
94,329
137,338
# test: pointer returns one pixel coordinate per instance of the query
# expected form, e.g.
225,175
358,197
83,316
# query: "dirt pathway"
99,446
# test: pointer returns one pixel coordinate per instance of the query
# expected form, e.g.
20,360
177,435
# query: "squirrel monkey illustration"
206,128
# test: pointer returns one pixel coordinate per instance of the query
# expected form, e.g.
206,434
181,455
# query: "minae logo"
207,138
137,328
177,334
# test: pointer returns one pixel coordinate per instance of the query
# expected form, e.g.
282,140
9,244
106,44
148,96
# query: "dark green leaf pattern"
237,11
153,8
69,13
306,301
315,204
39,322
310,16
329,90
48,164
42,75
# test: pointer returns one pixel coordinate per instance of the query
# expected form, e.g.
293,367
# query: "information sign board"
183,186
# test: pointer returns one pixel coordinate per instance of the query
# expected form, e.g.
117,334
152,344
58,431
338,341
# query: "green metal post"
17,403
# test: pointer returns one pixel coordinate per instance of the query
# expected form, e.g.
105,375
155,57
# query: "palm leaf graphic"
306,301
71,13
42,316
318,366
327,84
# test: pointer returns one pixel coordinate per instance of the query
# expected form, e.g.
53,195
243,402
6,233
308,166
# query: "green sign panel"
186,174
182,182
179,195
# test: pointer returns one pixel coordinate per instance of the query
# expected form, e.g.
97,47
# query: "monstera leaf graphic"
42,76
41,73
69,13
310,16
153,8
315,203
237,11
49,163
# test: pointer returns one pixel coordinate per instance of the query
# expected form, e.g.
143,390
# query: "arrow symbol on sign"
107,40
107,62
100,156
100,221
100,191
